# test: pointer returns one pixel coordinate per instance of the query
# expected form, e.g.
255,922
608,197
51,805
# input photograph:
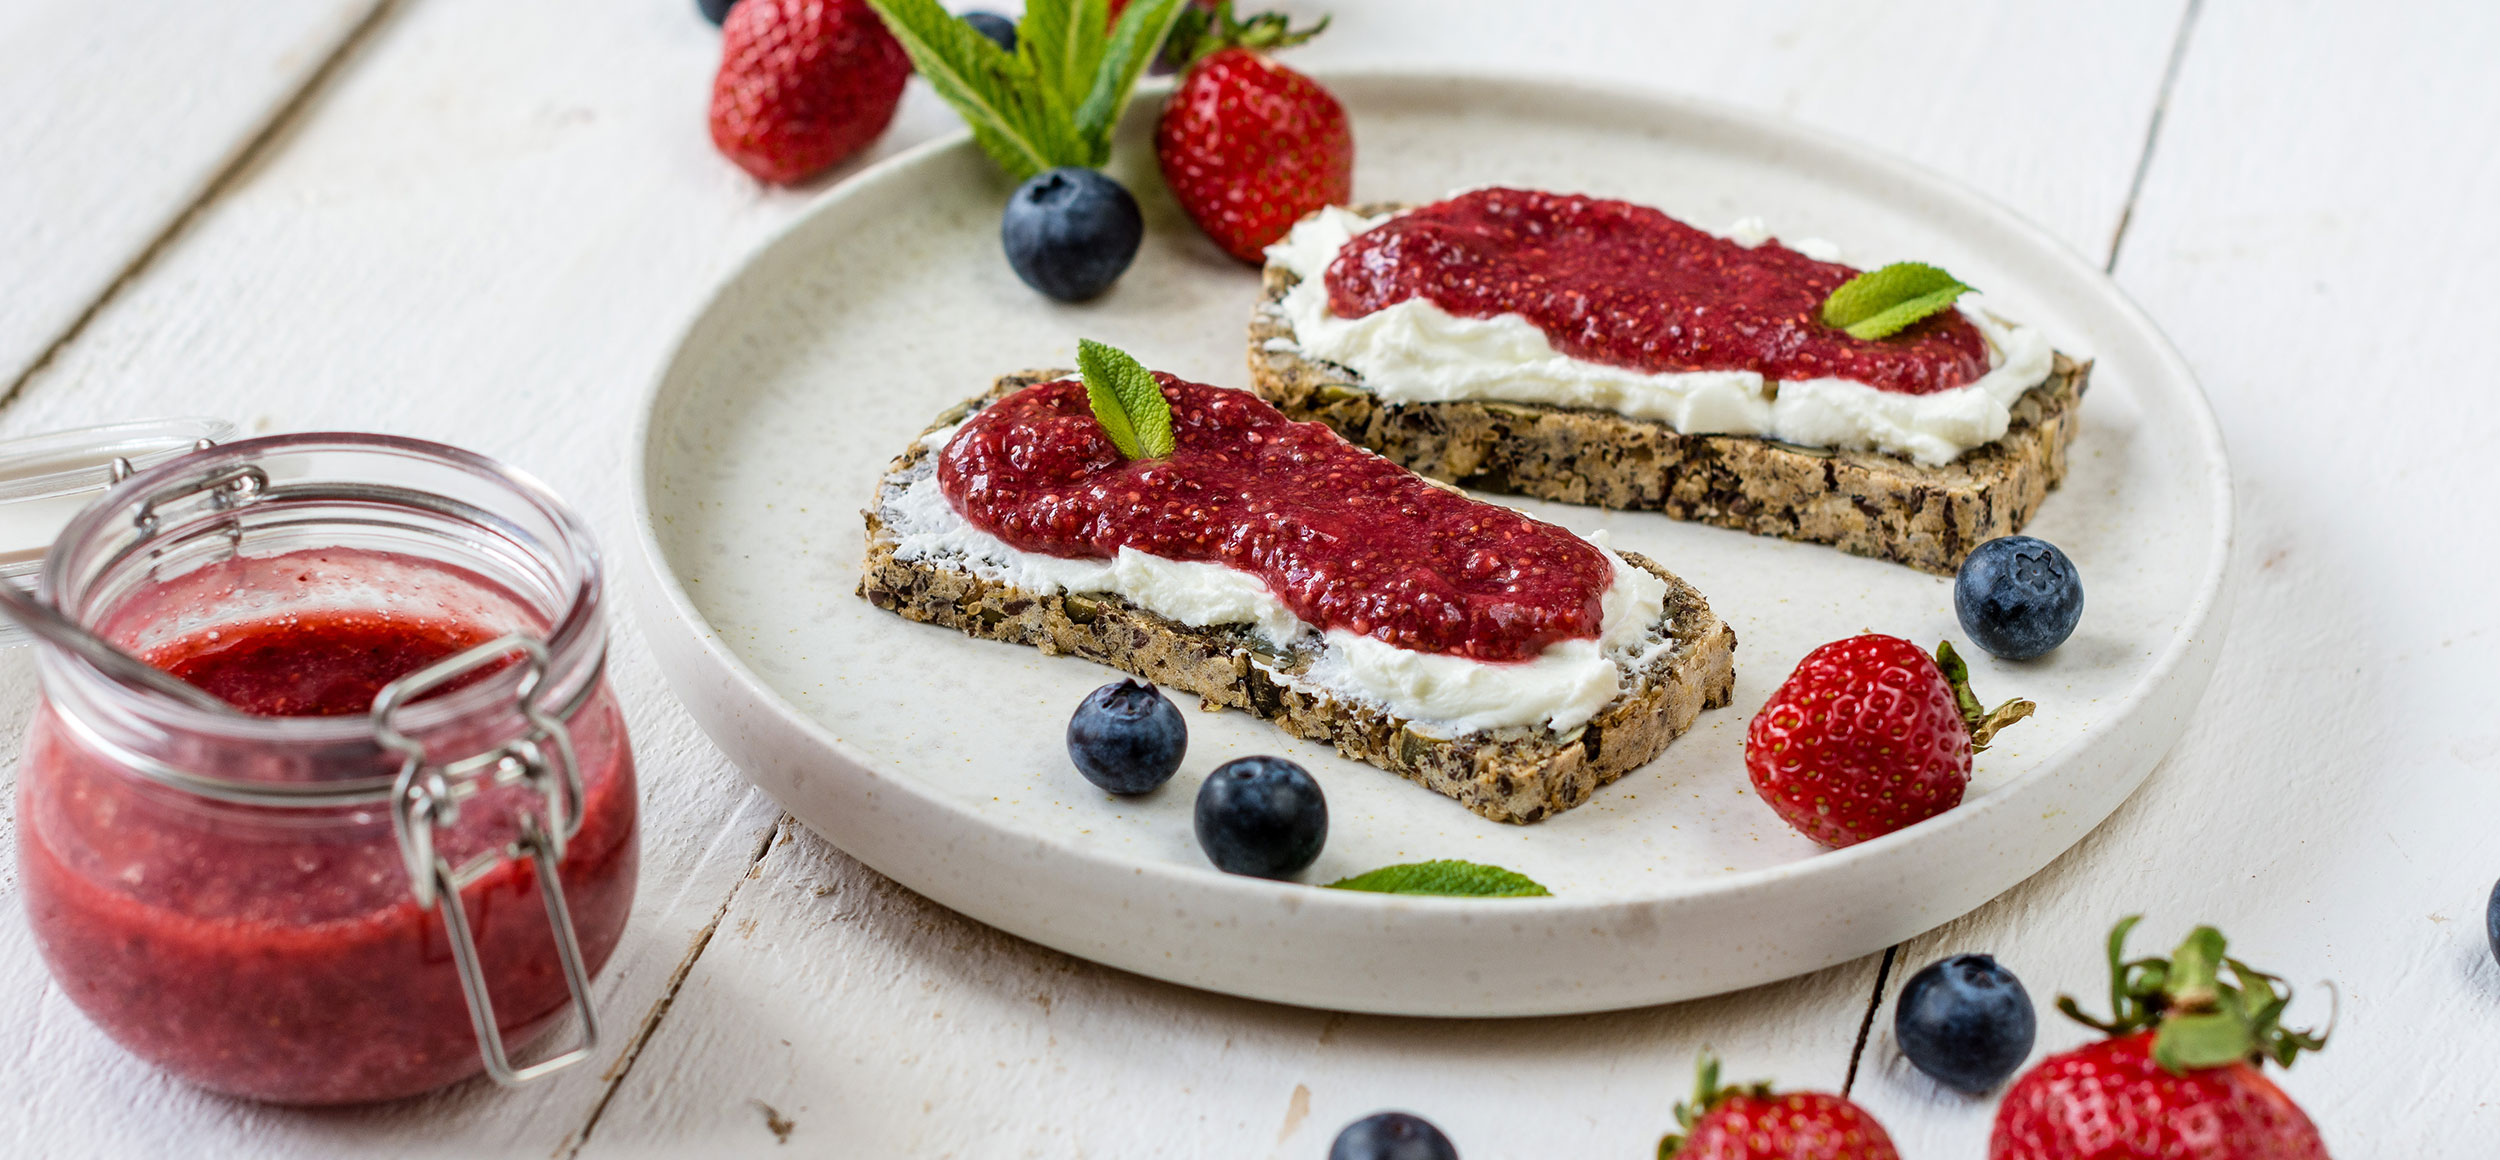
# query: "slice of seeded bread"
1864,502
1514,774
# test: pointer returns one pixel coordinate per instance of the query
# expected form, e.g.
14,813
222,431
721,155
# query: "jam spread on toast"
1346,539
1626,285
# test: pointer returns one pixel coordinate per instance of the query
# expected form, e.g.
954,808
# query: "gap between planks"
258,146
2152,129
2117,241
1866,1023
780,831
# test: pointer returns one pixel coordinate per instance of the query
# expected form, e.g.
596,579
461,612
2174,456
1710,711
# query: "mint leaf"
1127,400
997,94
1062,41
1055,100
1139,35
1469,879
1878,303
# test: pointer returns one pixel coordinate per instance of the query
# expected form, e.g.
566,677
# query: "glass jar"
345,894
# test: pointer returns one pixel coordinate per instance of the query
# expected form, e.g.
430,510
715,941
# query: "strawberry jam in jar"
400,858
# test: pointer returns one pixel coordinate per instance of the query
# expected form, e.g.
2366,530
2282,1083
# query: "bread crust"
1516,774
1864,502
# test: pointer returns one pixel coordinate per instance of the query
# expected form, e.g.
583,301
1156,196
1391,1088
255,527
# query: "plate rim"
2199,632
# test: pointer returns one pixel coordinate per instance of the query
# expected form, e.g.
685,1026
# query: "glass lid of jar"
45,480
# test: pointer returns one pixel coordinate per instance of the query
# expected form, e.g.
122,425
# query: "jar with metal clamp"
401,861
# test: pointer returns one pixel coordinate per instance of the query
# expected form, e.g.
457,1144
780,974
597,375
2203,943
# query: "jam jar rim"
574,641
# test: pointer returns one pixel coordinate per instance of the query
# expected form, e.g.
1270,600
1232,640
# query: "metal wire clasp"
225,488
429,794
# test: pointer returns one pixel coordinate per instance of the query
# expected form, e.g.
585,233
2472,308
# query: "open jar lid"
47,479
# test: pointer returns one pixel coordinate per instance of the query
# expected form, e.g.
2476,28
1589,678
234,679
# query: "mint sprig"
1448,877
1879,303
1127,400
1057,98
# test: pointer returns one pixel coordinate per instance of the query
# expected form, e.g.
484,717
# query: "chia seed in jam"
1626,285
1345,538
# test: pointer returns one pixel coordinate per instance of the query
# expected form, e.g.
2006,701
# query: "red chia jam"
277,953
1626,285
1345,538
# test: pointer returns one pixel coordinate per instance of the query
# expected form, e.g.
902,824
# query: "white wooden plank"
2041,106
120,117
873,1023
2322,252
487,233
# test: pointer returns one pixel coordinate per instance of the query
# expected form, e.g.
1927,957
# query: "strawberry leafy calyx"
1707,1094
1203,32
2199,1018
1984,722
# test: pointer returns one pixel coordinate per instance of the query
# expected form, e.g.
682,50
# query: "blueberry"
1966,1021
994,26
2491,921
1261,816
2018,597
715,10
1070,232
1392,1136
1127,737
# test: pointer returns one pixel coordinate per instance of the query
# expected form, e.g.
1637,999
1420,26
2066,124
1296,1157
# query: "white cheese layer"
1416,352
1439,694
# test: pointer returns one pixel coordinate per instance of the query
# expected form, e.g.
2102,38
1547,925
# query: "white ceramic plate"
939,760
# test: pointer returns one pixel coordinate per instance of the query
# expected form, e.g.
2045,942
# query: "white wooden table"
479,222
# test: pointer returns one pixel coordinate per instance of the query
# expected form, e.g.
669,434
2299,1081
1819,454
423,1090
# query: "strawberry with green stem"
1751,1122
2180,1076
1248,146
1868,735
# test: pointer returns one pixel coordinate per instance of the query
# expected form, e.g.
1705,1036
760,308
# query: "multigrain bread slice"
1864,502
1514,774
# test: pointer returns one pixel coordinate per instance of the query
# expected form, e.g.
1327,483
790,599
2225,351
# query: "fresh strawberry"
2110,1100
2179,1077
1752,1123
803,84
1247,145
1870,735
